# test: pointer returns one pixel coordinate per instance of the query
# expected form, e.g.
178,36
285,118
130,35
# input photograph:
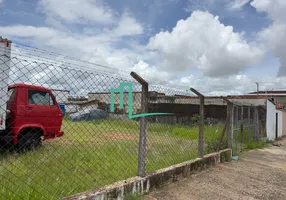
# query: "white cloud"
223,7
56,24
77,11
213,86
274,36
98,48
128,26
202,42
1,2
274,8
203,5
235,84
237,4
30,31
151,73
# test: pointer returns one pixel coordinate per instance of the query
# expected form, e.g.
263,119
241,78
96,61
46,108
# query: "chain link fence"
248,126
70,128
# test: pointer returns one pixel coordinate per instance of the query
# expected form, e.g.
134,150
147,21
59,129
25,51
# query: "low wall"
143,185
283,123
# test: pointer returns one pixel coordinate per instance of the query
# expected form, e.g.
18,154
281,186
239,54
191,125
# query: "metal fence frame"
239,126
143,123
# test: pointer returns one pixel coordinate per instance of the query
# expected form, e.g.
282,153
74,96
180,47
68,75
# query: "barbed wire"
28,53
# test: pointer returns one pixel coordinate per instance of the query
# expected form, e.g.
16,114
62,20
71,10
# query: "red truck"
28,113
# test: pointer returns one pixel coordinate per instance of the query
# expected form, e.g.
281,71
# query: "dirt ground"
259,174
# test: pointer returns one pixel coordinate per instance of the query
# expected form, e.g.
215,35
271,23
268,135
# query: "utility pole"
257,87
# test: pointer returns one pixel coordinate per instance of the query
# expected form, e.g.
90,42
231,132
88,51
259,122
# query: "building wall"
278,99
189,110
280,123
270,121
284,123
208,101
254,102
105,98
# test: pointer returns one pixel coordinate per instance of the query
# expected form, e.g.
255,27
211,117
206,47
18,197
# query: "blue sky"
187,41
154,14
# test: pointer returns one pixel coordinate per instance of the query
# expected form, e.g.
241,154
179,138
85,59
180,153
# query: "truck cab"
32,114
28,113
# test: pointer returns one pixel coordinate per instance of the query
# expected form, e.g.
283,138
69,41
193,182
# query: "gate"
245,127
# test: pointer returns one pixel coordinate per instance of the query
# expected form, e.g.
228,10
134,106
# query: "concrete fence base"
143,185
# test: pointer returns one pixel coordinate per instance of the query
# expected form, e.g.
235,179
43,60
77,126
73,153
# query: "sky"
219,47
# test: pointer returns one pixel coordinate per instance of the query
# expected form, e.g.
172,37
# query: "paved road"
259,174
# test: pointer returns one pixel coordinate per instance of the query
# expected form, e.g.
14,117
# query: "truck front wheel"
29,140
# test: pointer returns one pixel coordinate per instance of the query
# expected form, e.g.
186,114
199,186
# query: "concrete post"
142,149
229,121
201,124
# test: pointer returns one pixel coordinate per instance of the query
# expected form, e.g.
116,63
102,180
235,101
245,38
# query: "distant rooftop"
136,92
270,92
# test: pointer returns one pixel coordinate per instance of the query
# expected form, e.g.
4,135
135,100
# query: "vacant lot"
93,154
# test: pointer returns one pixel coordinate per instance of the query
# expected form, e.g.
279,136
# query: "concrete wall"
211,111
280,123
254,102
279,99
143,185
283,123
208,101
105,98
270,120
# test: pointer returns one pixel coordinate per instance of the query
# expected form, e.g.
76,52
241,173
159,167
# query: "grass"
246,140
94,154
257,145
134,197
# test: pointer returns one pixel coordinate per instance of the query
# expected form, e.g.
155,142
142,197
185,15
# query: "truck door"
42,109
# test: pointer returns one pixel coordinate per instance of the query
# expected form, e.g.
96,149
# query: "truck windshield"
11,94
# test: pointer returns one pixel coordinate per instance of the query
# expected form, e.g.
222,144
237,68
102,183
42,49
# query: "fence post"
248,127
201,124
256,124
241,128
142,149
229,127
236,128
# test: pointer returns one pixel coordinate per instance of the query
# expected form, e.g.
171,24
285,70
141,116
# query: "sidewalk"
259,174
